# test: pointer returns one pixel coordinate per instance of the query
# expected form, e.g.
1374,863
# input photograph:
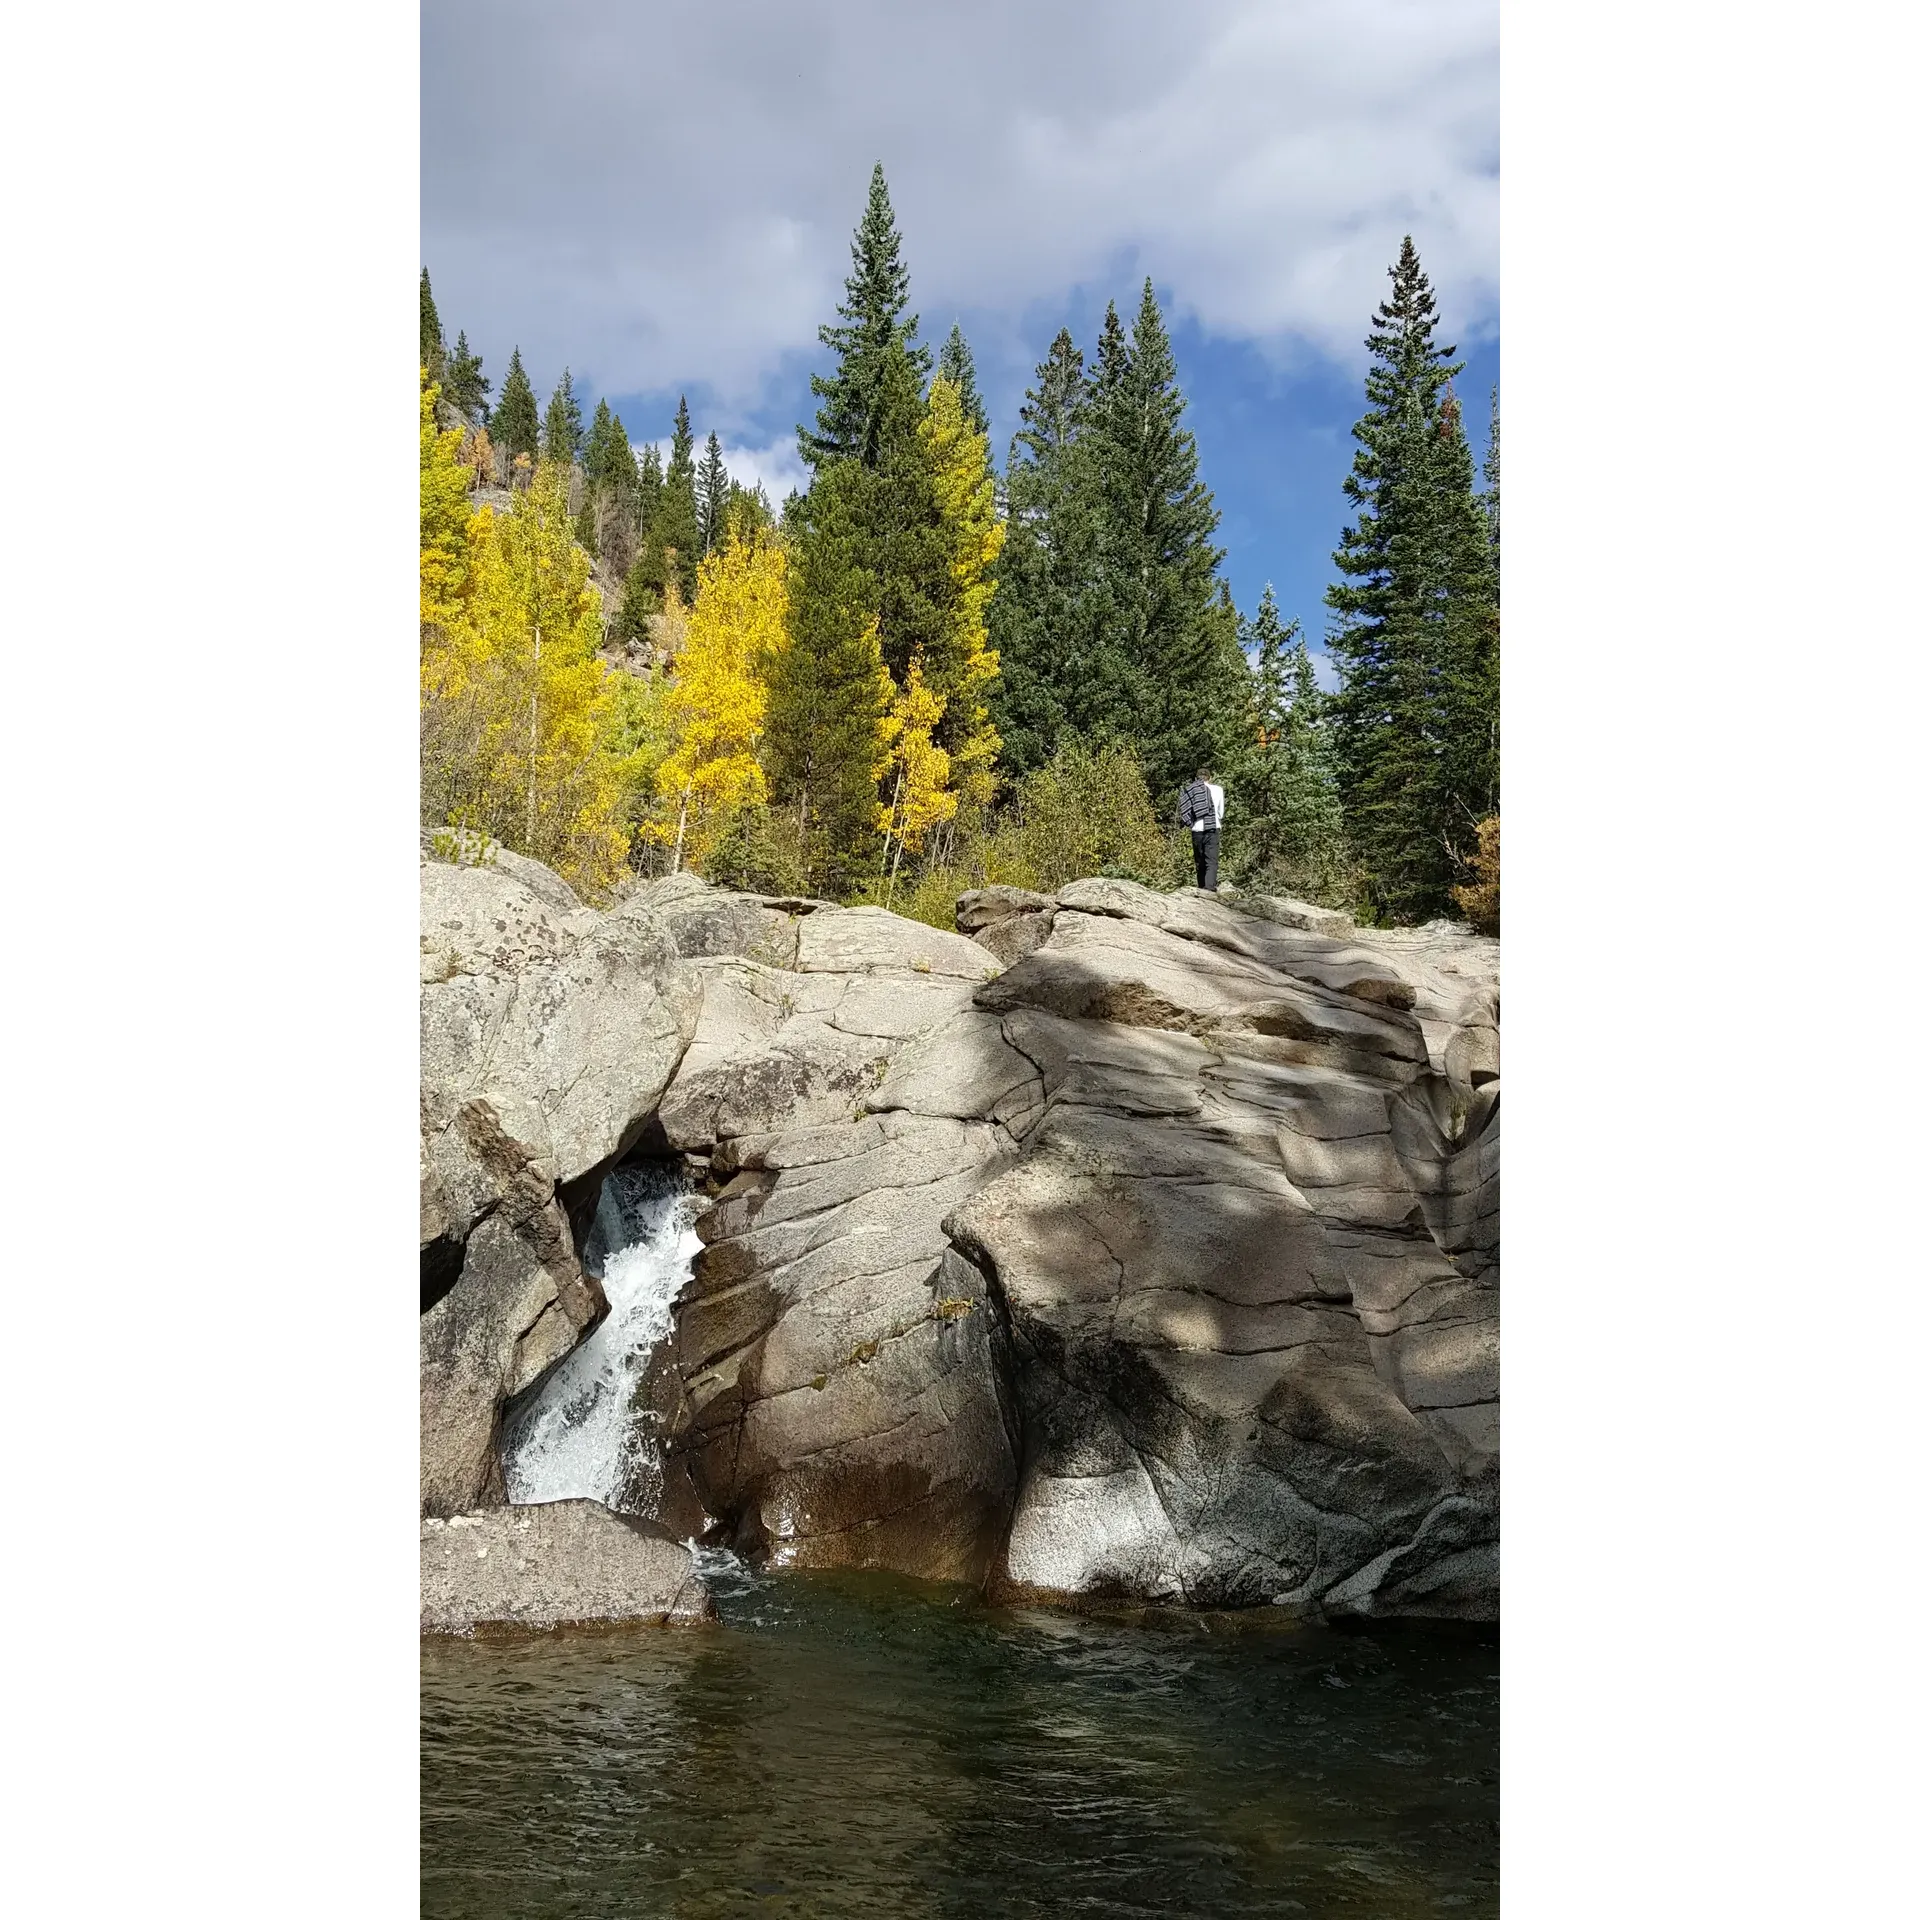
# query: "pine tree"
560,434
710,498
1416,638
1041,621
1287,800
956,367
433,343
829,698
1175,680
596,450
650,487
516,420
673,541
466,385
872,320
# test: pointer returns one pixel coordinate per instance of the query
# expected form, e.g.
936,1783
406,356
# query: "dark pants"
1206,858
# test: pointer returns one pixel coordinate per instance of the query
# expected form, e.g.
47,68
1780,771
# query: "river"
863,1745
856,1745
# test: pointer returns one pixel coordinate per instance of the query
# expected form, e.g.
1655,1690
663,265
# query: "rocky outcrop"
1159,1264
551,1566
1121,1243
840,1370
547,1035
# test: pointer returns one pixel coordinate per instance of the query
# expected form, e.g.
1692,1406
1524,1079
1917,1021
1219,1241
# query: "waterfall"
587,1433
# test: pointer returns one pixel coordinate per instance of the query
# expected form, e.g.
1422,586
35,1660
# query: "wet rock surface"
547,1035
551,1566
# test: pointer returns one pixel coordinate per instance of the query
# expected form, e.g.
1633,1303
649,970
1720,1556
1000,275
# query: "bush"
1086,812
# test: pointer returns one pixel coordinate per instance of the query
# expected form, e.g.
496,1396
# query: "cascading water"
588,1434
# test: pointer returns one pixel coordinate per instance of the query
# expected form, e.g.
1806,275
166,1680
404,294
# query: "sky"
661,197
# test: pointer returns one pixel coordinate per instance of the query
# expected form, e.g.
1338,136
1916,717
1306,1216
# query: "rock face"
552,1565
840,1372
547,1035
1123,1244
1162,1264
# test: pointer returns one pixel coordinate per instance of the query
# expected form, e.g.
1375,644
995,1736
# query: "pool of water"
854,1745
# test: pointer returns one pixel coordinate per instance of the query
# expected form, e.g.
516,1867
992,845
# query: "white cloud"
665,193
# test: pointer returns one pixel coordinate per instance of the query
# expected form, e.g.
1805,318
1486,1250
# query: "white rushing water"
585,1436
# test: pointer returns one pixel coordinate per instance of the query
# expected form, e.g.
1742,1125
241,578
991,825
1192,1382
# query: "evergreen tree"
1175,680
710,498
650,487
1042,620
560,436
596,450
956,367
516,420
433,343
829,698
675,536
1416,634
1287,800
467,386
872,320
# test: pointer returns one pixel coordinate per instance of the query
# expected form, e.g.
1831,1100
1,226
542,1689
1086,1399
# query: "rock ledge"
547,1566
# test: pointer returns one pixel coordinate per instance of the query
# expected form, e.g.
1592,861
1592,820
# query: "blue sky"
662,197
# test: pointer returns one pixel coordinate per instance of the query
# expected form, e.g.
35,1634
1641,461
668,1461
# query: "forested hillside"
925,673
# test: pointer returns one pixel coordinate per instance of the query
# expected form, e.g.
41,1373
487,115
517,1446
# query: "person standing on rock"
1203,805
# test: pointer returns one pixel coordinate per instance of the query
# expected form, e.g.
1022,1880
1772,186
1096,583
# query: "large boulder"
547,1035
1161,1265
549,1566
838,1371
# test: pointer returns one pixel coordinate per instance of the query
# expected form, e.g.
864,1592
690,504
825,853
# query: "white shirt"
1219,807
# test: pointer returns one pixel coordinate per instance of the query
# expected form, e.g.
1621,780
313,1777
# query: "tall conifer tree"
560,438
678,518
956,368
1175,679
433,343
710,496
1416,635
467,386
873,316
651,486
1288,799
516,420
1043,616
828,694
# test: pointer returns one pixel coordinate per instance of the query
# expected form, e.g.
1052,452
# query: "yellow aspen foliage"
477,452
445,514
964,489
520,722
717,705
1479,899
918,798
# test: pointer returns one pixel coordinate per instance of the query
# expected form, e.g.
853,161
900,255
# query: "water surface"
861,1746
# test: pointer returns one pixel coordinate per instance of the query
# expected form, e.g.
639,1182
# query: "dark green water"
856,1746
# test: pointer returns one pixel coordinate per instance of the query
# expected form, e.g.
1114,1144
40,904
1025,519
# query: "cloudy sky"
661,195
